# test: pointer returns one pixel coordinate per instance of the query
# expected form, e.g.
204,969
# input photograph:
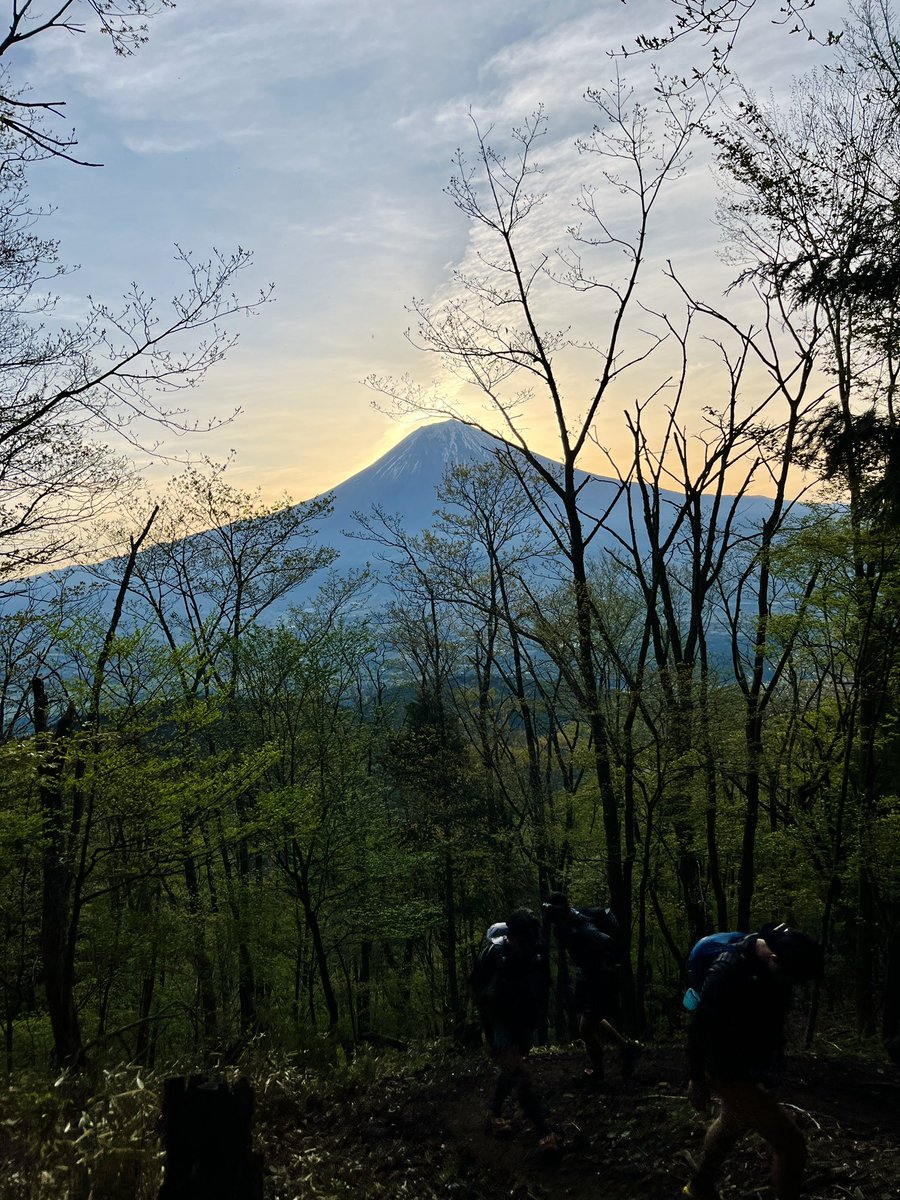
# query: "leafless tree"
490,335
813,215
123,22
77,396
67,395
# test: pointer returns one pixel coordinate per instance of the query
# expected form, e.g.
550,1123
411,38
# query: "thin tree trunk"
57,958
454,1015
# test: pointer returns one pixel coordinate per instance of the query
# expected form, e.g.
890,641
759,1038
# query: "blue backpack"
702,956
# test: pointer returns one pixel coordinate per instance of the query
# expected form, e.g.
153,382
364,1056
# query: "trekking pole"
614,1033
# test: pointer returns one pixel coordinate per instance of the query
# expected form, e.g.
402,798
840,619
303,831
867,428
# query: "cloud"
321,132
216,64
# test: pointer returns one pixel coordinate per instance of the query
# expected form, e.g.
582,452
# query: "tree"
124,22
220,560
490,334
814,217
487,542
20,854
318,807
66,396
77,397
718,24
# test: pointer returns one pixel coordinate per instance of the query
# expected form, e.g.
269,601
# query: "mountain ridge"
405,480
403,484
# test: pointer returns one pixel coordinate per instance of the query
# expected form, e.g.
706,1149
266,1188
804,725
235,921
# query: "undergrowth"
95,1135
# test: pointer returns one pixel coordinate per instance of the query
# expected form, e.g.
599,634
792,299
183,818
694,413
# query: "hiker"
590,937
734,1042
506,982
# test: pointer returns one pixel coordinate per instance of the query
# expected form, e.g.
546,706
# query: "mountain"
404,482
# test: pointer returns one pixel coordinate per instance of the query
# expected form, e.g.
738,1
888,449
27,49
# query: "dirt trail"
425,1137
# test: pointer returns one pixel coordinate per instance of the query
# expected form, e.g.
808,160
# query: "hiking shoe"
498,1126
697,1189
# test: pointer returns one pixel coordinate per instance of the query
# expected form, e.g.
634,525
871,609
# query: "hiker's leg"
726,1129
528,1097
762,1113
502,1089
788,1159
505,1057
590,1029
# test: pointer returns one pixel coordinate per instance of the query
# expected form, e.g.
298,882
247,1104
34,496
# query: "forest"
220,832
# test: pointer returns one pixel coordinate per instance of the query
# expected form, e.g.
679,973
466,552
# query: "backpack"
605,920
482,980
702,956
505,984
590,948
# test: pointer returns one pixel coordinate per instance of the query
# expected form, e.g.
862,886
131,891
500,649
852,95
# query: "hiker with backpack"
507,982
590,938
740,991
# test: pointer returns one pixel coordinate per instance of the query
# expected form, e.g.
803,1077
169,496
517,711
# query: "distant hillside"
404,483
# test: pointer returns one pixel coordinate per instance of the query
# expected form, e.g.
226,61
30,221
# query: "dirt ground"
425,1135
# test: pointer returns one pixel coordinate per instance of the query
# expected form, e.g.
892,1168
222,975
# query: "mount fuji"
403,484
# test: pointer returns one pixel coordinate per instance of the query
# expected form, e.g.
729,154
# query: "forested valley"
227,838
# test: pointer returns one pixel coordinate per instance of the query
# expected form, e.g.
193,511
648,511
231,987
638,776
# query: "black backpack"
603,919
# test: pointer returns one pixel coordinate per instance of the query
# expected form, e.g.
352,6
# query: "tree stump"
207,1137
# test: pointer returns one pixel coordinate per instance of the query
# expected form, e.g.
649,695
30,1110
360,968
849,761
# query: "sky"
320,135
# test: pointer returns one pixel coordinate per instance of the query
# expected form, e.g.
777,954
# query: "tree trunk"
364,992
57,950
618,870
753,742
321,957
202,964
453,1013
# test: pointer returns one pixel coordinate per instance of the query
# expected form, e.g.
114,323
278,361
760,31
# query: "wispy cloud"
321,132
